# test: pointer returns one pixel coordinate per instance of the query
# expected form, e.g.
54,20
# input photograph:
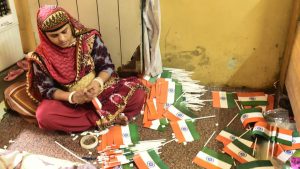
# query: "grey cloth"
151,37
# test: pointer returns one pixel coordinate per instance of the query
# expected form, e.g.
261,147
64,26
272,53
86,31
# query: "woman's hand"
92,90
79,97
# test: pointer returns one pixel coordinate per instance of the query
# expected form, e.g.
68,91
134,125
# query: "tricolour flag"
185,131
239,151
282,155
223,99
252,98
284,136
149,160
259,164
226,136
159,124
125,135
295,142
210,159
173,114
251,116
262,129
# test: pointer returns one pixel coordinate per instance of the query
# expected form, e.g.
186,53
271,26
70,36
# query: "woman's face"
62,37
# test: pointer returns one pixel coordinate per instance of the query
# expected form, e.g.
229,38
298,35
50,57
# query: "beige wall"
233,42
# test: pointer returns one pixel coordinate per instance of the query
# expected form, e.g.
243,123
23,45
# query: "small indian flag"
259,164
239,151
282,155
262,129
173,114
295,142
252,98
251,116
223,99
285,136
149,160
126,135
185,131
210,159
226,136
159,124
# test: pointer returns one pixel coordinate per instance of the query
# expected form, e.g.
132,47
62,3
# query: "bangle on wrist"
70,97
100,81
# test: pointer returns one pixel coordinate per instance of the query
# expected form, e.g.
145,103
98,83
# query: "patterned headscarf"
61,62
65,65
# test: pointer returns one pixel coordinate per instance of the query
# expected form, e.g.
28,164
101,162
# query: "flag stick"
244,133
205,117
168,141
237,104
209,100
69,151
273,145
209,138
232,120
179,97
268,147
254,147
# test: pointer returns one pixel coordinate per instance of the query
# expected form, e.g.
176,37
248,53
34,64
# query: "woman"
69,69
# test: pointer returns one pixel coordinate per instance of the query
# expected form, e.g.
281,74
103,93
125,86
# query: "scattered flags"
251,116
283,155
185,131
284,136
295,142
239,151
252,98
226,136
223,99
259,164
173,114
148,160
210,159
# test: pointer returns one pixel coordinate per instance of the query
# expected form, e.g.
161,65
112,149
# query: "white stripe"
251,115
212,160
148,160
155,124
122,159
257,98
178,113
237,150
155,106
230,136
185,131
223,102
264,130
171,92
285,156
126,135
285,137
296,140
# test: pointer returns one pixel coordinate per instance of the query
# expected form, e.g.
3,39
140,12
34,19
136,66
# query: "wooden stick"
245,132
268,147
204,117
254,147
210,138
69,151
273,145
237,104
168,141
232,120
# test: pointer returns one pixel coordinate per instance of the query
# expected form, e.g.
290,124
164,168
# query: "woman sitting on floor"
69,68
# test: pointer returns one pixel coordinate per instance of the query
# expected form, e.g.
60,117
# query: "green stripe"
157,159
127,166
178,92
254,103
163,121
242,146
252,110
166,74
134,134
223,157
161,128
182,107
285,142
192,129
262,134
296,134
230,100
253,164
153,79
